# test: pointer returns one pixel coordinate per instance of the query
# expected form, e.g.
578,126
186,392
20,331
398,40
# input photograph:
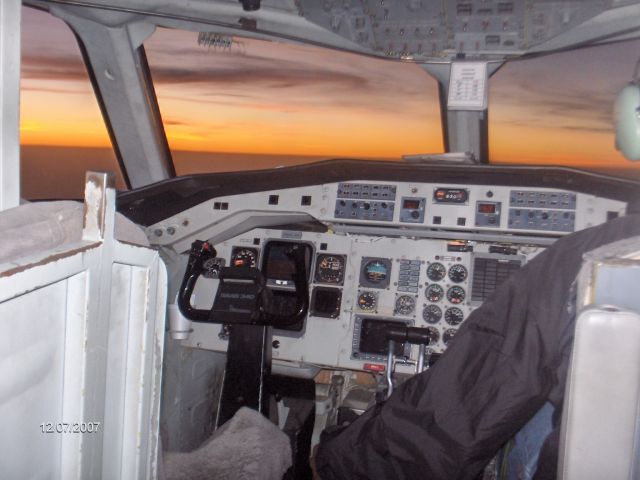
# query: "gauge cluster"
360,283
429,291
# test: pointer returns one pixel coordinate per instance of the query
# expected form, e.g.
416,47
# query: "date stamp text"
70,427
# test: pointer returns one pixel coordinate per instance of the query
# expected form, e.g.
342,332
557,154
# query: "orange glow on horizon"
293,100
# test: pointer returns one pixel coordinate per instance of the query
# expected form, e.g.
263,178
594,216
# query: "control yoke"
244,302
242,297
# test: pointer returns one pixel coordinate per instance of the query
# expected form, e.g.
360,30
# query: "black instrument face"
458,273
244,257
453,316
448,335
325,302
456,294
432,314
373,337
405,305
436,272
278,267
434,335
434,292
330,269
368,301
211,267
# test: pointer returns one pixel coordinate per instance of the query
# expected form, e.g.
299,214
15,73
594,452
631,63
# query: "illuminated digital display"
411,204
451,195
486,208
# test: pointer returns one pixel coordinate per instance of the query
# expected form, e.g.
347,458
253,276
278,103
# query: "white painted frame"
10,12
82,343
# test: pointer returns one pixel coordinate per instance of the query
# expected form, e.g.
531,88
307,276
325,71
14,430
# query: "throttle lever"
404,334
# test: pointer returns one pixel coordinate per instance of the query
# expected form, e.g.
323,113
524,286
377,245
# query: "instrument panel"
423,254
360,283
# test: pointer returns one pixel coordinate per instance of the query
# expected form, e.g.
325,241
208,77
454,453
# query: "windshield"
253,104
62,132
558,109
257,104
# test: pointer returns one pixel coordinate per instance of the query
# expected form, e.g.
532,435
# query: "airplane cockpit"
309,293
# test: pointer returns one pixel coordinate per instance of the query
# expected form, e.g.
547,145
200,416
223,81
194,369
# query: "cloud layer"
269,96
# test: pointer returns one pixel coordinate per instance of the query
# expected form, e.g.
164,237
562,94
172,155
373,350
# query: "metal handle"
389,372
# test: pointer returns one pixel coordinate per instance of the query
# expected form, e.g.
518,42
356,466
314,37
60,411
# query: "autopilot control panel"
497,208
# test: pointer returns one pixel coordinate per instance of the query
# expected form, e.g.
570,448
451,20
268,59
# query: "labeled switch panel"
378,206
364,210
544,200
545,220
373,191
409,276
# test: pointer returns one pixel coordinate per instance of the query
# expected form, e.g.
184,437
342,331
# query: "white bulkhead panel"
81,353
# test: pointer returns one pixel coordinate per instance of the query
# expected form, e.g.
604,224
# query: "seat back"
600,436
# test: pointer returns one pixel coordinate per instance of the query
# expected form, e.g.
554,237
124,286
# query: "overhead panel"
425,31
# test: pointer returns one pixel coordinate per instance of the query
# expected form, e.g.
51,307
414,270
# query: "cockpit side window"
558,109
62,133
230,103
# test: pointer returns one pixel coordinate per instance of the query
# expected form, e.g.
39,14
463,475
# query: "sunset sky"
287,101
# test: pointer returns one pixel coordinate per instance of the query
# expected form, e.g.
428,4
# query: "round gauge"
436,272
244,257
330,269
434,292
448,335
434,335
405,305
453,316
458,273
432,314
367,301
456,294
375,271
211,267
